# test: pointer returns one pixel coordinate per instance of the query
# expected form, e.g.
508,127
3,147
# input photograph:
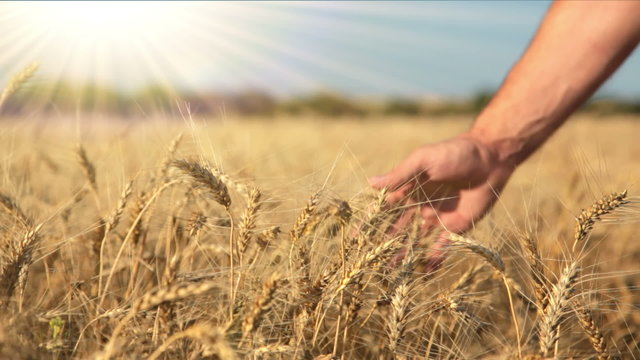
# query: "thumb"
406,171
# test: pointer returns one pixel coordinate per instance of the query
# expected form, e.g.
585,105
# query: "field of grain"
235,238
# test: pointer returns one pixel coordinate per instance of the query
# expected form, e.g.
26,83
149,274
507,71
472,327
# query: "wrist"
508,151
492,155
502,153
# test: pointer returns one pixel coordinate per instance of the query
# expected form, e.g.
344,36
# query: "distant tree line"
64,97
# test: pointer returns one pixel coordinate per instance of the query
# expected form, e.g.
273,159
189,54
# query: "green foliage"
65,97
399,106
56,324
323,103
481,99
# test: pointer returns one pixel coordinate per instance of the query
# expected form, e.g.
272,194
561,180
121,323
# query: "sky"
431,49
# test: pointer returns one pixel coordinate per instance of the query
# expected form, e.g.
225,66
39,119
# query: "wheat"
267,236
375,255
261,305
168,158
466,280
373,219
213,340
173,293
11,207
558,300
490,256
588,217
202,178
272,349
400,308
196,223
17,81
537,272
16,267
591,328
122,203
305,217
87,167
248,220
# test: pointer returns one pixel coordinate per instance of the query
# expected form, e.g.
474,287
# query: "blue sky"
359,48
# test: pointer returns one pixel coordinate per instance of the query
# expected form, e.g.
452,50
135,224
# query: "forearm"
578,45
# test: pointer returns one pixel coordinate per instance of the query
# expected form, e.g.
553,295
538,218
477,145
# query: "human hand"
451,184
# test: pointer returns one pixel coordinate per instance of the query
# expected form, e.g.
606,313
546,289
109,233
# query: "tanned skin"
452,184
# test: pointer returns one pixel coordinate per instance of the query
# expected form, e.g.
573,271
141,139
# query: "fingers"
436,254
445,223
409,169
398,226
398,196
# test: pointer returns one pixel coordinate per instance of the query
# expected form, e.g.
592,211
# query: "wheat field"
233,238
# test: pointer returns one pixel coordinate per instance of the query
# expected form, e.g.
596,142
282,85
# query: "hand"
452,184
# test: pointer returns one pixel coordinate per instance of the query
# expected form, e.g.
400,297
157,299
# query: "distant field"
186,262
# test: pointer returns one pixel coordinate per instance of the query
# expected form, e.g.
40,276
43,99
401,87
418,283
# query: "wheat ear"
168,158
151,300
537,272
87,167
296,233
305,216
261,305
490,256
204,179
591,328
212,338
588,217
17,81
558,300
375,255
400,305
248,220
12,208
494,259
16,267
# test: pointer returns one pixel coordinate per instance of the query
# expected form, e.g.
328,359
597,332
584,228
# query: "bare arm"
453,183
577,47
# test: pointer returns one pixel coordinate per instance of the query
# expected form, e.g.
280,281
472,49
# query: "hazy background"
255,56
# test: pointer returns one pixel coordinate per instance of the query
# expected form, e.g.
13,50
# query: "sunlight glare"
103,19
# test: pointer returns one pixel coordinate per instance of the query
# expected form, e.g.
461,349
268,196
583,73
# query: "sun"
96,42
185,45
97,18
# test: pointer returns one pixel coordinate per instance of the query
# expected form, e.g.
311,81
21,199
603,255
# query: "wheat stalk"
537,272
490,256
87,167
400,306
261,305
375,255
591,328
272,349
168,158
466,279
268,235
17,81
213,339
558,300
11,207
150,300
305,217
16,267
372,221
248,220
196,222
203,178
588,217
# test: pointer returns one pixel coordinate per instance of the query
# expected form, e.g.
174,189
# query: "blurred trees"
64,97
